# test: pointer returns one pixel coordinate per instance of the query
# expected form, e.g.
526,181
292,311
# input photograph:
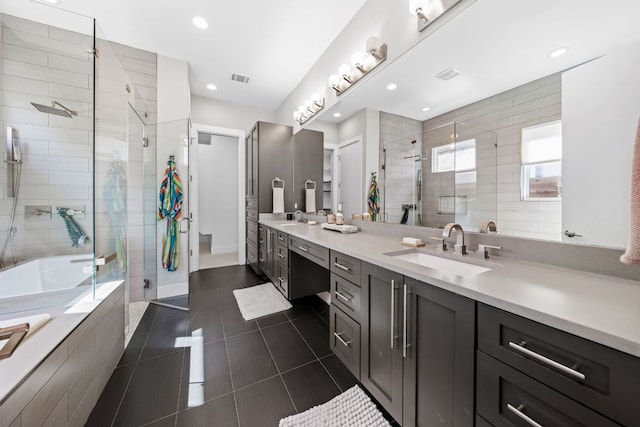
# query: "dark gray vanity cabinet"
380,325
438,344
268,155
526,369
308,152
418,349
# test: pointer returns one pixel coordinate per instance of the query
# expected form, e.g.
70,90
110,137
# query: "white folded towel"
632,255
278,200
311,200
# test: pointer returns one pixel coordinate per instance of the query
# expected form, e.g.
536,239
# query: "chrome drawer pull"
393,310
261,241
340,295
280,279
261,259
565,369
303,249
342,267
404,323
518,412
345,343
280,238
282,256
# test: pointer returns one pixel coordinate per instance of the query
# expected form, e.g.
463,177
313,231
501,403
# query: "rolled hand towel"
278,200
632,255
311,200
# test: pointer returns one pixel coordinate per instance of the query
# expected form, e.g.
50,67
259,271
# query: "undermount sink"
458,268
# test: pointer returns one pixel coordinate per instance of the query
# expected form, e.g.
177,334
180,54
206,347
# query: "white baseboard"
223,250
168,291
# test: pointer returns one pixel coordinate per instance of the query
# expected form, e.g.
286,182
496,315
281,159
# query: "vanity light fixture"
211,86
309,108
200,22
361,64
428,11
559,52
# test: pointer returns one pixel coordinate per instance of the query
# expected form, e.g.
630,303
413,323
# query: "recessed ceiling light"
426,108
392,86
559,52
211,86
200,22
337,114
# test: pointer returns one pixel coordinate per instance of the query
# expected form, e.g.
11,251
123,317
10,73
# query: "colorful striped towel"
632,255
170,207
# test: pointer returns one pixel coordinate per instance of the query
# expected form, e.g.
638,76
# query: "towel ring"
277,183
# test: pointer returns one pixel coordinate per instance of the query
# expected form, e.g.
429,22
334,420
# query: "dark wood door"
381,352
438,344
251,153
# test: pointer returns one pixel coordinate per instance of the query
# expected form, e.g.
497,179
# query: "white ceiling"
496,45
274,42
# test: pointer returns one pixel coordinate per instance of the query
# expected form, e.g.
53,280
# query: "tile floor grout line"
226,349
305,341
331,376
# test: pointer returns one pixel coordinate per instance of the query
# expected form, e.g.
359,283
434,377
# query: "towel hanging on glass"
115,199
170,207
374,198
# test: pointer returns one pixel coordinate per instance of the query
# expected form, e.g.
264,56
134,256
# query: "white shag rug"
260,300
353,408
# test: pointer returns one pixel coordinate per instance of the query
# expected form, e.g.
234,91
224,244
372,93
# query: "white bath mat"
260,300
353,408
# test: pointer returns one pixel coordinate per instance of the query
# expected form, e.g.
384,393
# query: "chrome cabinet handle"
261,259
261,241
342,267
524,417
393,310
404,323
303,249
543,359
282,256
345,343
340,295
280,238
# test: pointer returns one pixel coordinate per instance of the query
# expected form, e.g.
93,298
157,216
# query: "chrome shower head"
62,111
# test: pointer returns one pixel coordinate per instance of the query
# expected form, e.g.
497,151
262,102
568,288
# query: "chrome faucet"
459,247
321,212
302,218
488,226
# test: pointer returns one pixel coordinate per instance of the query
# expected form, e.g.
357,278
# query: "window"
541,160
458,156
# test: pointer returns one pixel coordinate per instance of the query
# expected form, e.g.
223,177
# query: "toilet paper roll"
278,200
311,200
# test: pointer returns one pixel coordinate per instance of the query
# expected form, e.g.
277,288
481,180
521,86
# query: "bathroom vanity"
505,342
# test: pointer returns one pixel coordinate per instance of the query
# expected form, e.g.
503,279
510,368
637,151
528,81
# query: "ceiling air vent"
240,78
448,74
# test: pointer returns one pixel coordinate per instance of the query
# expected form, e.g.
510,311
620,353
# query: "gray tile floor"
255,372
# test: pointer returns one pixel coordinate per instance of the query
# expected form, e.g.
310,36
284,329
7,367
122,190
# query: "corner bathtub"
44,282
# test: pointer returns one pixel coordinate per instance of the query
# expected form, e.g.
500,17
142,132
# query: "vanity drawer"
346,296
262,235
252,214
506,397
345,266
252,203
282,279
283,239
252,231
345,339
599,377
311,251
283,255
252,253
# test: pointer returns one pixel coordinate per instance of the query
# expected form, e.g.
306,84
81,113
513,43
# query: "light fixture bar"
361,65
430,11
309,108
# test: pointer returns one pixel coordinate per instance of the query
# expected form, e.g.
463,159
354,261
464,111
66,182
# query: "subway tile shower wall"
398,180
41,63
505,115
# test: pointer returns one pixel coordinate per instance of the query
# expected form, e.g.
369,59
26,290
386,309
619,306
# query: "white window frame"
452,148
526,168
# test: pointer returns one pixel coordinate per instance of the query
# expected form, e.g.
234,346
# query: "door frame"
240,135
336,155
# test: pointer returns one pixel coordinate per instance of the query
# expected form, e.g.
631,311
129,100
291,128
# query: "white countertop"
599,308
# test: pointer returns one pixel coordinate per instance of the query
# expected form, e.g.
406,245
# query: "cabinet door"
251,162
438,343
381,352
254,162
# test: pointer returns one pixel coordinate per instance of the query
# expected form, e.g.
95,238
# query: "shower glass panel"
438,176
400,196
47,225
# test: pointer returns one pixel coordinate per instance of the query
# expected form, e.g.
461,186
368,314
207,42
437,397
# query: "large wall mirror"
523,113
